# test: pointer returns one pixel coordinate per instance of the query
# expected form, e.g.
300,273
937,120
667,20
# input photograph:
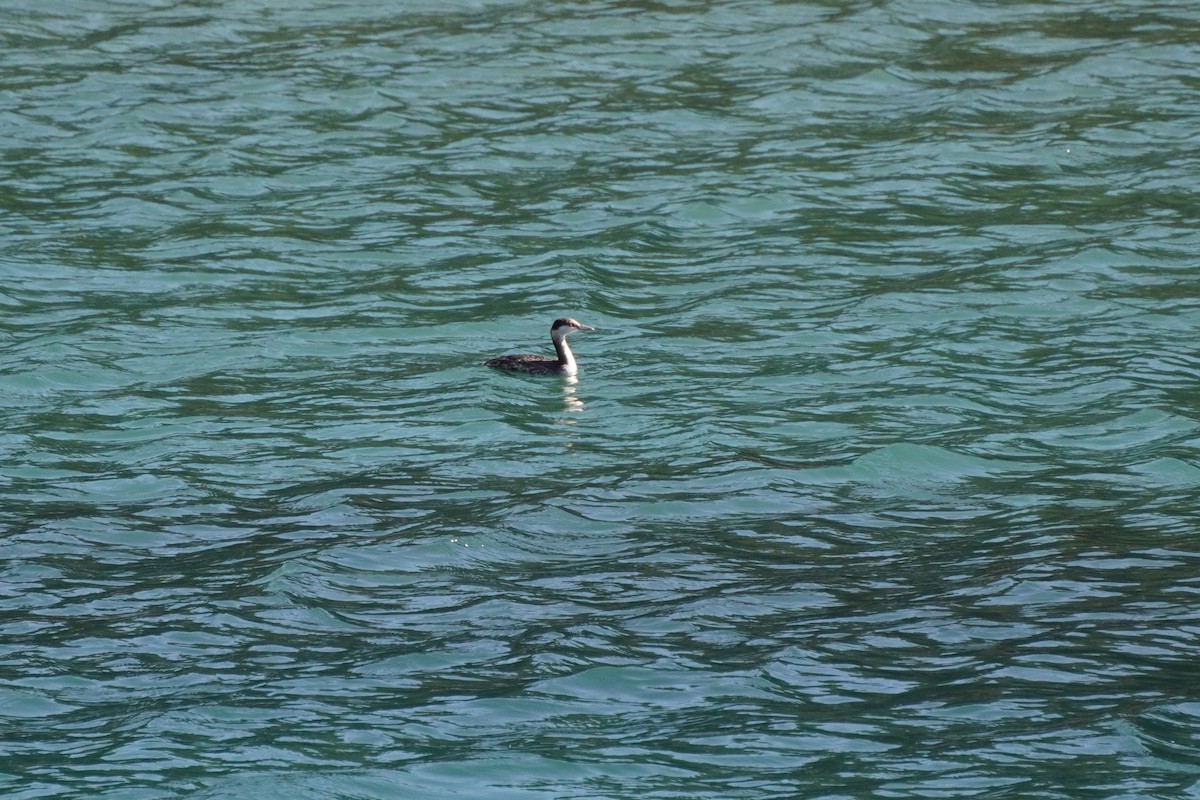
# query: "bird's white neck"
566,359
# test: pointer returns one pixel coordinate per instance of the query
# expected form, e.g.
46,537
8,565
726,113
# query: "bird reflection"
572,403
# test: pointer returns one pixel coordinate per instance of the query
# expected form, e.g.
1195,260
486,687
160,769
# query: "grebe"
540,365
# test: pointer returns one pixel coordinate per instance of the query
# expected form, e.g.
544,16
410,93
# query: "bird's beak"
586,328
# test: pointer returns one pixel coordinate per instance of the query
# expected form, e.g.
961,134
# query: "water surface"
878,478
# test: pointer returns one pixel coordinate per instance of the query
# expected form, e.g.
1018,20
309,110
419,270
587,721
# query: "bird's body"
541,365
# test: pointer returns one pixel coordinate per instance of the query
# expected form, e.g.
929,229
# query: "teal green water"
879,477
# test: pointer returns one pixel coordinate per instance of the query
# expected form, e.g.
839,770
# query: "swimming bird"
540,365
